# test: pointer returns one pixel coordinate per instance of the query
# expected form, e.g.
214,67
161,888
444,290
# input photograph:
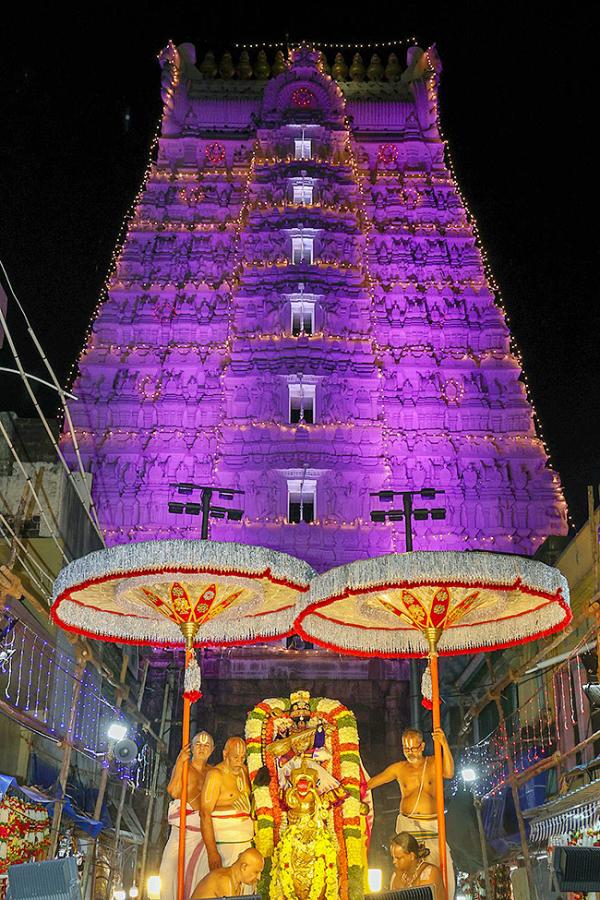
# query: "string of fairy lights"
554,708
490,278
364,223
237,269
319,45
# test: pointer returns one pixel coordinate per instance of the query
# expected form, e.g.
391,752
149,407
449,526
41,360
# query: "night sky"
80,106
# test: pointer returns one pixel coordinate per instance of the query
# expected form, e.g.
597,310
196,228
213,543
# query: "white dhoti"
425,831
196,859
234,833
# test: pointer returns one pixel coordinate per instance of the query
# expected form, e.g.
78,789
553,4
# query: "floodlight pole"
190,629
407,511
206,497
415,701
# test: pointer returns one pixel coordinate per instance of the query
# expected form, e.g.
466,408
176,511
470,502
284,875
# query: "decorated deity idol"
300,739
303,734
305,859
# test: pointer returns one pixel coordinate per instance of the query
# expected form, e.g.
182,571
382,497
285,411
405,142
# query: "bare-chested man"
227,827
416,778
196,859
229,881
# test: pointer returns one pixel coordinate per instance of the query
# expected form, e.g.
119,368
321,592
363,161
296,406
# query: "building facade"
300,311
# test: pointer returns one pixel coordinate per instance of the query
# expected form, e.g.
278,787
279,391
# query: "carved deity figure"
305,860
302,741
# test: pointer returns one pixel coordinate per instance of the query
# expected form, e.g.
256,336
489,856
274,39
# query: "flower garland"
348,823
585,837
324,883
24,833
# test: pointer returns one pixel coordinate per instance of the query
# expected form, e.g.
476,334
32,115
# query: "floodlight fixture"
429,493
153,887
234,515
116,731
193,509
176,507
420,514
375,880
377,515
438,513
185,487
395,515
218,512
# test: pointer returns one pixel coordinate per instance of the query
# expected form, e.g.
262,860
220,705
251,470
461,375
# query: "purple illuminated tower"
300,311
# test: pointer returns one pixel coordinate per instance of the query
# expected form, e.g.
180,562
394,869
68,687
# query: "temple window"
303,193
302,250
302,495
302,403
303,317
302,148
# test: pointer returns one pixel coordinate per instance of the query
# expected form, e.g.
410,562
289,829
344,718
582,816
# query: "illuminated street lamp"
153,887
116,731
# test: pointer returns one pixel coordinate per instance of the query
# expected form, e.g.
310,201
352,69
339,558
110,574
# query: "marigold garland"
325,873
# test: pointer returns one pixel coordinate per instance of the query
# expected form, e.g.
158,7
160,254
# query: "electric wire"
90,510
16,539
34,493
21,561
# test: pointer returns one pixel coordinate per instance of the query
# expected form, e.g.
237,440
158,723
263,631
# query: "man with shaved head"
230,881
227,826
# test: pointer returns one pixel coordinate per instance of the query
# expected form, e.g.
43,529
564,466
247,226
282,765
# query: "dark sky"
519,101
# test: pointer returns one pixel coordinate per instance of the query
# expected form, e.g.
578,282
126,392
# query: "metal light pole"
205,509
406,514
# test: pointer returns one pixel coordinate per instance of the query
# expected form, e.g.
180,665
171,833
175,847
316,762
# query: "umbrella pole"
185,739
189,630
439,777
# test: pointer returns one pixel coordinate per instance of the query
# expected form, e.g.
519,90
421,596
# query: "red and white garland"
24,833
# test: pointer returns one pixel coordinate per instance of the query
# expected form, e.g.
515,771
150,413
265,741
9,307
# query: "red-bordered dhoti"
196,859
234,833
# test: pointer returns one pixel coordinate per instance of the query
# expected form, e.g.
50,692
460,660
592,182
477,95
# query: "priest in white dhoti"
227,824
196,857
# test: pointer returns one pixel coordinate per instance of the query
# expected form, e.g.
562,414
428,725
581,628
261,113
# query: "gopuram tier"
300,311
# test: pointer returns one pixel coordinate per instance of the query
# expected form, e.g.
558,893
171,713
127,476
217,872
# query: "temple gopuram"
300,311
